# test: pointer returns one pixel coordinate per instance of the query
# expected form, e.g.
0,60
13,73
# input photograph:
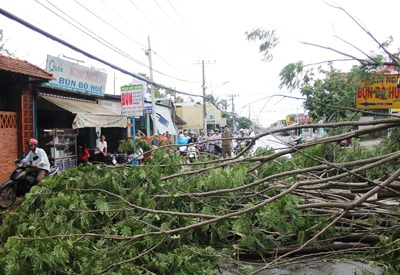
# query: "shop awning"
164,124
163,120
89,114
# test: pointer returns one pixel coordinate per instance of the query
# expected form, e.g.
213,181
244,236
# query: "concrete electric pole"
153,99
233,111
204,95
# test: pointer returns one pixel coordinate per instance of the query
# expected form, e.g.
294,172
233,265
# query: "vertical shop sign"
132,99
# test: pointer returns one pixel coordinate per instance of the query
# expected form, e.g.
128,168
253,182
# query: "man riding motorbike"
39,159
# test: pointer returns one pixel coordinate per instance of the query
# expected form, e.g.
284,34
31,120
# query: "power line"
160,30
101,19
105,43
50,36
109,45
187,27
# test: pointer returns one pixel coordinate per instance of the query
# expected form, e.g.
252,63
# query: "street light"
224,83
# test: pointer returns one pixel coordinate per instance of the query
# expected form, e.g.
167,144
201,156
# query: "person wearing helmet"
186,136
193,138
41,163
241,133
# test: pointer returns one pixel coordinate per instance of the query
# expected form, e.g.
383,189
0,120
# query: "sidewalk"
371,142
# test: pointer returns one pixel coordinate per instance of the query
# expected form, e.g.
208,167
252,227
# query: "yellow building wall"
193,116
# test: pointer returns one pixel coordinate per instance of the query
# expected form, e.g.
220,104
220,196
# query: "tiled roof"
15,65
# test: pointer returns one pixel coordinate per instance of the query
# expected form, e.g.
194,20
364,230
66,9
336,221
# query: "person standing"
226,142
217,142
100,152
42,163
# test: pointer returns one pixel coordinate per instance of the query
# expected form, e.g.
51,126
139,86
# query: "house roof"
179,121
14,65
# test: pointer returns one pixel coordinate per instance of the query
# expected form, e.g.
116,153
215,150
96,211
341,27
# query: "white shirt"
42,158
101,146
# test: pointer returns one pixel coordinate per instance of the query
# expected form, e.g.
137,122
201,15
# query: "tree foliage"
268,38
168,217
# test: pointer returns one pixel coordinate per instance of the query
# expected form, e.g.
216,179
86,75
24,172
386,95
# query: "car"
284,134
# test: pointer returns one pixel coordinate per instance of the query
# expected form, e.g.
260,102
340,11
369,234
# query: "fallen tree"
279,206
161,219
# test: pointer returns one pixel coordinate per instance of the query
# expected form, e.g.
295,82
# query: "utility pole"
204,95
233,110
153,100
204,99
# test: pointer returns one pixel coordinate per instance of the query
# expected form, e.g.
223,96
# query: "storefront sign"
382,93
111,105
74,77
132,100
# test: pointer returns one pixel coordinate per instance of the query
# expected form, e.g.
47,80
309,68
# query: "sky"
183,33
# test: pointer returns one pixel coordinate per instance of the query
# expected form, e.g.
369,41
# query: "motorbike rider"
42,163
192,149
202,141
193,138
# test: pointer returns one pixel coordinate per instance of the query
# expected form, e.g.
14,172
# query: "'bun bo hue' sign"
381,92
71,76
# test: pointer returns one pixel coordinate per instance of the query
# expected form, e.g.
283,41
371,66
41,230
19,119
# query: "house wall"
8,144
193,116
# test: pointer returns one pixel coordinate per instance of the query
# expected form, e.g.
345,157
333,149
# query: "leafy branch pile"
166,218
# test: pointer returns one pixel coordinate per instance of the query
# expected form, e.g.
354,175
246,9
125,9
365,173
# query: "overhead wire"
130,38
160,30
69,45
198,42
94,36
105,43
108,24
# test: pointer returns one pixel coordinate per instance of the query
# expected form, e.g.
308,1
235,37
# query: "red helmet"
33,141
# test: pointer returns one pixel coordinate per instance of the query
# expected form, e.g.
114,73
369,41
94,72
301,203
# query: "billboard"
132,99
380,93
74,77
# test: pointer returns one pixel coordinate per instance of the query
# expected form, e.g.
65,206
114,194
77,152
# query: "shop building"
18,79
64,107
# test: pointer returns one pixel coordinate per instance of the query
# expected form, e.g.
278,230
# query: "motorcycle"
191,154
345,142
240,145
297,141
21,181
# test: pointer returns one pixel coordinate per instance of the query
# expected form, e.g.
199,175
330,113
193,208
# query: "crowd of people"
223,144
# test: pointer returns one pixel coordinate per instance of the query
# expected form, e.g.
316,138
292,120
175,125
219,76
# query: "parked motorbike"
240,145
345,142
191,154
21,181
113,159
297,141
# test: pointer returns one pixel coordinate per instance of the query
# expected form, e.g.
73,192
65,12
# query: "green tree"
268,38
244,122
